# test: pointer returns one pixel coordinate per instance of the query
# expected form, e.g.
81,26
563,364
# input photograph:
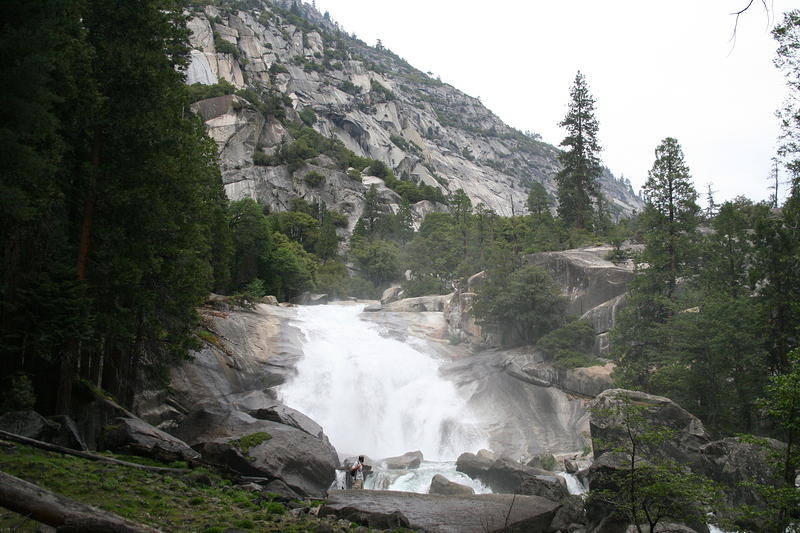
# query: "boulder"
277,412
404,462
419,304
585,276
504,475
262,448
29,424
269,300
68,434
391,294
373,308
478,513
137,437
570,515
736,463
475,465
607,428
308,298
442,485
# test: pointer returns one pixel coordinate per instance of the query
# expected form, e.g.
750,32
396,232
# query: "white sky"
657,68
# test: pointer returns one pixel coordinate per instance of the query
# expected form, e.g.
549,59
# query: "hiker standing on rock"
357,471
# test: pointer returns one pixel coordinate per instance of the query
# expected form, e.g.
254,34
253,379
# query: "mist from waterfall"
375,395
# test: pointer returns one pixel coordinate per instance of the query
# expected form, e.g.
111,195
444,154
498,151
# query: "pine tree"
671,212
578,180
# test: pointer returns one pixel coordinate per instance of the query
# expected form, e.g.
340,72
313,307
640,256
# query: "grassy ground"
199,501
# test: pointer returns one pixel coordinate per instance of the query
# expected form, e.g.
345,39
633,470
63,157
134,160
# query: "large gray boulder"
137,437
273,450
738,464
608,428
28,424
507,476
585,276
442,485
419,304
60,429
406,461
479,513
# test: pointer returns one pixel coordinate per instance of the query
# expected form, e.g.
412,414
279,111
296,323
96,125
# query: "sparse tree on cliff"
578,187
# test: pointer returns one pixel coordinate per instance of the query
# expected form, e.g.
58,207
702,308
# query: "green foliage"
308,116
252,237
377,260
424,286
380,90
291,268
350,88
248,296
200,91
248,442
570,346
782,403
314,179
168,502
225,47
277,68
578,180
261,159
538,200
17,393
524,303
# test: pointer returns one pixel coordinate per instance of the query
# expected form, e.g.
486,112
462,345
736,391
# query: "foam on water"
419,479
375,395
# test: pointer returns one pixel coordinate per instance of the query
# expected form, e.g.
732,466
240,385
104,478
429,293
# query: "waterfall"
375,395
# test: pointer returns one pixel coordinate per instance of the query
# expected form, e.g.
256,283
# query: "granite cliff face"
369,98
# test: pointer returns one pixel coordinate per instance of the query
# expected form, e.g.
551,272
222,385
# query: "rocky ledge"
442,514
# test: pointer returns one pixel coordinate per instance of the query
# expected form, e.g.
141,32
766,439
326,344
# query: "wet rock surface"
442,485
137,437
444,514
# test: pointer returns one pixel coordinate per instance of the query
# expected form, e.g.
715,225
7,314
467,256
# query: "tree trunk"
58,511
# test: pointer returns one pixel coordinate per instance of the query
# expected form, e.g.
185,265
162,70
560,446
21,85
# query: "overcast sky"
656,69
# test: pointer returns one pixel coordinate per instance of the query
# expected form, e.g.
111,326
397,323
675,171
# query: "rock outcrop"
405,461
504,475
136,437
738,464
375,103
608,428
262,448
443,514
442,485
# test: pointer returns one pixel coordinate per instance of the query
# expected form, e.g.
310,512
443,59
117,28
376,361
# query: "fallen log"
65,514
86,455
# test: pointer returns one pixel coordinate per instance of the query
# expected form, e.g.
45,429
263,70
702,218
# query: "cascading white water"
375,395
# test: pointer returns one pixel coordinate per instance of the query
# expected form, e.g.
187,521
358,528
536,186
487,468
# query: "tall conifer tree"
578,187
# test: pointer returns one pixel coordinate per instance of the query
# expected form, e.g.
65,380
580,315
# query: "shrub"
350,87
570,346
400,142
381,90
308,116
199,91
277,68
17,393
225,47
262,159
314,179
424,286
